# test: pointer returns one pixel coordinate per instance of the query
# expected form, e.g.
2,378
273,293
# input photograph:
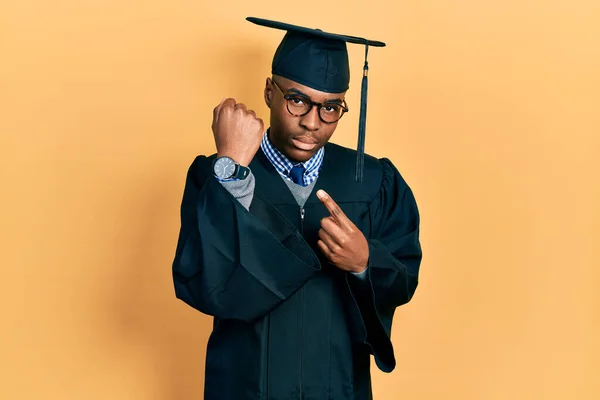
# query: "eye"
297,101
332,108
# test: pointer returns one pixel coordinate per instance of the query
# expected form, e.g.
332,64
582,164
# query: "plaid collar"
283,165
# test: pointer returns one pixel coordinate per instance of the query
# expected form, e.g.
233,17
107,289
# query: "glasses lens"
298,105
331,112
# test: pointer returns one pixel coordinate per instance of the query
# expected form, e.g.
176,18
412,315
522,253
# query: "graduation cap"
319,60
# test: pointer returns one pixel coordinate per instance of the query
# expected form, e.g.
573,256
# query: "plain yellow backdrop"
490,109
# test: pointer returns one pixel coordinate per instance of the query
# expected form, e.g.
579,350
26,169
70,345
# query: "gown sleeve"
393,266
233,263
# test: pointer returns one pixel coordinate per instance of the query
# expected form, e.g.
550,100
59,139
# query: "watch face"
224,167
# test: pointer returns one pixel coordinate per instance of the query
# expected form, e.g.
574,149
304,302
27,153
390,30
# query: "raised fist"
238,131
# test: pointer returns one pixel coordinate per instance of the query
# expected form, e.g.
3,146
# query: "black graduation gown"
287,324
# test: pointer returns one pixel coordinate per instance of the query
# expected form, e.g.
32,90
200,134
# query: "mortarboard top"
319,60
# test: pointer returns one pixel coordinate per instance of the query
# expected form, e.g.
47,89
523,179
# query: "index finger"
331,206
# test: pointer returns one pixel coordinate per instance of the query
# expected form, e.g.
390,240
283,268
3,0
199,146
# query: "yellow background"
490,109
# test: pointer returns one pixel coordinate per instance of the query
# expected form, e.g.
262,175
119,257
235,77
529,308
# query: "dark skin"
285,127
238,133
340,240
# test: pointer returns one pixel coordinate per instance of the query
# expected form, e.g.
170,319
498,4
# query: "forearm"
230,264
394,281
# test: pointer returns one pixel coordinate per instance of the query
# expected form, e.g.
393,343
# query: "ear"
268,92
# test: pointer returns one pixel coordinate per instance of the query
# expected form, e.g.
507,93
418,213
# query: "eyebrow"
332,100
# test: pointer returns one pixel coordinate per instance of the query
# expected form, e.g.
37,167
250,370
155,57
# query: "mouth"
304,143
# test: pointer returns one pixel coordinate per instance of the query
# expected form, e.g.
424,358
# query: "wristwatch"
226,168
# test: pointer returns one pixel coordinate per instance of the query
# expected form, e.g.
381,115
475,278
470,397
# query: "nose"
311,121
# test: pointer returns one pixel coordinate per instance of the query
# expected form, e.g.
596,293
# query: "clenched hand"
238,131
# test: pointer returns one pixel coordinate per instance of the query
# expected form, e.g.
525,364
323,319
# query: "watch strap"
241,172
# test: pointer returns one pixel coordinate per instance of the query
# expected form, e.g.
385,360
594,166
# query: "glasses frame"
320,106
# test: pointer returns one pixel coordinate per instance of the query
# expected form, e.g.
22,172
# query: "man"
301,261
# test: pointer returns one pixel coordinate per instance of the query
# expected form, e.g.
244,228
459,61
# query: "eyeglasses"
299,105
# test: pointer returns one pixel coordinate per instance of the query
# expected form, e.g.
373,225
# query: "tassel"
362,121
